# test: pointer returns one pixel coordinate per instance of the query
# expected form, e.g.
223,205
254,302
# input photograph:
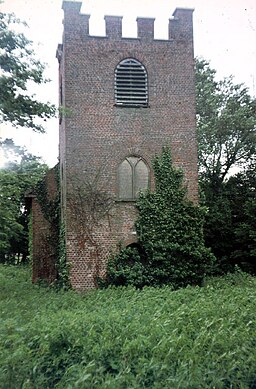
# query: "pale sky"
224,34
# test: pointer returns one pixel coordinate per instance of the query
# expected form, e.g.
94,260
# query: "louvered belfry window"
131,84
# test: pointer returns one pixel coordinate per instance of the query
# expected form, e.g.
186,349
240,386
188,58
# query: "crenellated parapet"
145,28
180,26
113,26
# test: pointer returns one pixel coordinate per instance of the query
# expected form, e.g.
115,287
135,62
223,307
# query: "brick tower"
124,99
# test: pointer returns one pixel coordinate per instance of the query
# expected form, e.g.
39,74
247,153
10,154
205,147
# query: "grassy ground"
124,338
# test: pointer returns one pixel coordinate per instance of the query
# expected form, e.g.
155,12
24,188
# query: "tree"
226,124
230,228
241,192
19,70
15,180
170,235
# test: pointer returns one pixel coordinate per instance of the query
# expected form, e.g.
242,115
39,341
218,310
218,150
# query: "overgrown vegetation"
63,281
170,236
226,126
24,175
17,178
90,206
232,218
198,337
55,236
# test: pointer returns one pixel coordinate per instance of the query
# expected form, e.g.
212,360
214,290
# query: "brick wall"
44,236
96,135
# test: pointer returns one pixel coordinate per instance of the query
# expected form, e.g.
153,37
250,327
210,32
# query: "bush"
128,267
231,221
170,233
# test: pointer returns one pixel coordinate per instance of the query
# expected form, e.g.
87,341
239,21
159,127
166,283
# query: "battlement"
180,26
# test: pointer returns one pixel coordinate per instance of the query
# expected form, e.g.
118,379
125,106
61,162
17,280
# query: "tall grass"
126,338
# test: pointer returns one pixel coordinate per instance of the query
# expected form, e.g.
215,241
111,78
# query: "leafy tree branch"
19,69
226,123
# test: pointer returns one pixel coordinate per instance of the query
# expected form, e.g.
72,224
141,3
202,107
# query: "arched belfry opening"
131,84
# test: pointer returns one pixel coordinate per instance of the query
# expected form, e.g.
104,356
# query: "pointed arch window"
133,177
131,84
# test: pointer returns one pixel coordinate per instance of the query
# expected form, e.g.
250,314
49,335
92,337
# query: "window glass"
125,180
133,176
140,177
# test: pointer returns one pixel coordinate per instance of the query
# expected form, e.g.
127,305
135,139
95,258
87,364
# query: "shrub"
232,217
170,233
127,268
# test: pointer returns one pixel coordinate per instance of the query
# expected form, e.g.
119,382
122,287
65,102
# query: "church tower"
123,99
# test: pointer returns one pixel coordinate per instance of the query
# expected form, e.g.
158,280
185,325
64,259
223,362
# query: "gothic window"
133,176
131,84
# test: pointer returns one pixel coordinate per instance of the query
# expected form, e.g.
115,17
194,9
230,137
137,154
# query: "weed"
197,337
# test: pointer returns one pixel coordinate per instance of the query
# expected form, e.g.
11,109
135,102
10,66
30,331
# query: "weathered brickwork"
96,135
43,239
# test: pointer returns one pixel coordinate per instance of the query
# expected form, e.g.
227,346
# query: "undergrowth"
197,337
170,248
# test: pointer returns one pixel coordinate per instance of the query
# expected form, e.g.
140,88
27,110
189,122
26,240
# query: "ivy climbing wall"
45,228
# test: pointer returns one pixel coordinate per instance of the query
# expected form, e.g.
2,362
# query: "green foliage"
127,268
241,191
127,338
230,228
170,233
16,179
226,124
63,281
50,208
19,68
